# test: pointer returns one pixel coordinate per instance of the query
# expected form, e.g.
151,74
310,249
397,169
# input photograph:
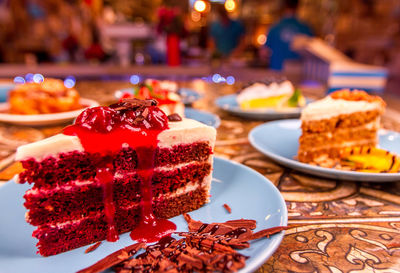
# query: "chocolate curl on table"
265,233
114,258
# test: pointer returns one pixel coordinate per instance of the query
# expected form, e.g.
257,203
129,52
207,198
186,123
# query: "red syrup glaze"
109,137
105,177
150,229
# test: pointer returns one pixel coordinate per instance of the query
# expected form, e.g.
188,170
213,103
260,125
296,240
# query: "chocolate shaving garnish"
138,102
145,113
228,208
133,104
205,248
114,258
174,117
93,247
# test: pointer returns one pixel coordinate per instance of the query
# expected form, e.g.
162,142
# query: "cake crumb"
93,247
228,208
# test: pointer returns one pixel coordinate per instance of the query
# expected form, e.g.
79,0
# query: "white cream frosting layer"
182,132
261,90
169,109
328,108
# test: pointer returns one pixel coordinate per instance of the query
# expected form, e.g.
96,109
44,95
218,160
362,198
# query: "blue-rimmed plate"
203,116
4,89
229,104
279,140
188,95
248,193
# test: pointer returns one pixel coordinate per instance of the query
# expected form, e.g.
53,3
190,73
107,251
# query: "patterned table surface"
335,226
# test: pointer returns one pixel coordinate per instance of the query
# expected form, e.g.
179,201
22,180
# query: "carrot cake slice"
343,119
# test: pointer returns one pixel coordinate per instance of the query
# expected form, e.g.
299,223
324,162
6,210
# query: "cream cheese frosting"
261,90
328,107
182,132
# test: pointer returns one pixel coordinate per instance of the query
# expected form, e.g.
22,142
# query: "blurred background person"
281,35
227,35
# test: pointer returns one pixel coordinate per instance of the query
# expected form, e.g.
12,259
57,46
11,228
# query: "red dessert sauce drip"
105,177
106,130
150,229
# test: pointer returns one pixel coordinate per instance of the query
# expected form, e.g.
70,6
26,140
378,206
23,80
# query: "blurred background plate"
43,119
188,95
4,89
228,103
203,116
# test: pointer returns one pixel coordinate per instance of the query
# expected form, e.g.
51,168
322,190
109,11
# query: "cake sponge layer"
55,171
84,198
57,239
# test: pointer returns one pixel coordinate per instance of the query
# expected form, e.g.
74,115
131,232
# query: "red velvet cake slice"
120,168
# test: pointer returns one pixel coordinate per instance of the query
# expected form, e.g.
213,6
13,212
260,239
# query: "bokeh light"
69,82
38,78
230,80
134,79
216,78
19,79
230,5
196,16
200,6
261,39
29,77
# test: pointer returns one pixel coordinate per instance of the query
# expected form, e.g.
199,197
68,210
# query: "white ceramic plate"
229,104
43,119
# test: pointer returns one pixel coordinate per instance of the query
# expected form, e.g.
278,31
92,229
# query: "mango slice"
370,159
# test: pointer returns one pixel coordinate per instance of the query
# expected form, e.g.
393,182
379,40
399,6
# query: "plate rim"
24,119
265,253
217,118
268,252
317,170
268,114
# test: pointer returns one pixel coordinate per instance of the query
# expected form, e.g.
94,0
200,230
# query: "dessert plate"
188,96
43,119
256,199
229,104
5,87
203,116
279,140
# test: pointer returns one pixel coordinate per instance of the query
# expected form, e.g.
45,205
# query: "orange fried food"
49,96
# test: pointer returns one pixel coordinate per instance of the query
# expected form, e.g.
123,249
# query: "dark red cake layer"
82,166
53,240
85,200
